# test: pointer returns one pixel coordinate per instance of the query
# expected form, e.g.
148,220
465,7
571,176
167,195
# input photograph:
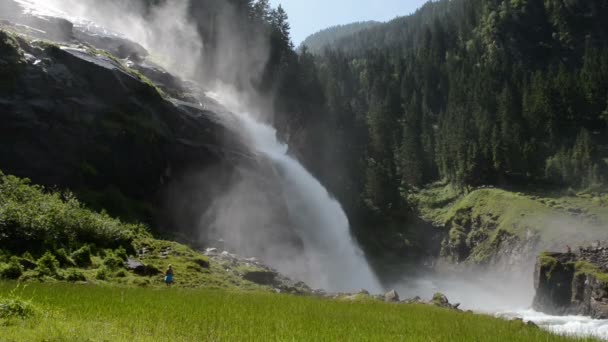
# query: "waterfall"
333,259
329,258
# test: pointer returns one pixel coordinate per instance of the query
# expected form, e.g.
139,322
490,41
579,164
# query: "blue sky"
309,16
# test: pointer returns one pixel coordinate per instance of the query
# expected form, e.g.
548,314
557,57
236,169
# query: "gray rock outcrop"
573,283
391,297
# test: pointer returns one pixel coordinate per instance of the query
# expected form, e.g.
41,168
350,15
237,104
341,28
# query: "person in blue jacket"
169,275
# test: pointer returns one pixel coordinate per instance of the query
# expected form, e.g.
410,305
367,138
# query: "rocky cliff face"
86,110
573,283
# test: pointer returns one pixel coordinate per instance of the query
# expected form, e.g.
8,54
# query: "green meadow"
68,312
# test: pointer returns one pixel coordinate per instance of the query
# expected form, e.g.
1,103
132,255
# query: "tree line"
475,92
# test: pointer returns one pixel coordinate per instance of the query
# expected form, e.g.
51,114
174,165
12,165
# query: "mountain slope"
328,37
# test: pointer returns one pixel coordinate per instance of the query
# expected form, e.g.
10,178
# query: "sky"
309,16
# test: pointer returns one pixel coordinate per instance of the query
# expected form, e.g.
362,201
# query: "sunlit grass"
97,313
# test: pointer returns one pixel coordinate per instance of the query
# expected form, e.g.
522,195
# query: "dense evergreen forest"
472,92
475,92
327,38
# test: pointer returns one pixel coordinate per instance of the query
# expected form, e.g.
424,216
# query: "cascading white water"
334,261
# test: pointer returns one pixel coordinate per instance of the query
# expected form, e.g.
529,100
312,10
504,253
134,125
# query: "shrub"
12,270
4,255
113,262
121,274
14,307
63,258
121,253
28,256
82,257
75,275
35,219
102,273
47,265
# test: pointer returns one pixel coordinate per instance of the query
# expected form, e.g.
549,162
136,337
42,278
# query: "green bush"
74,275
12,270
15,307
28,256
102,273
63,258
33,219
47,265
4,255
121,253
82,257
112,262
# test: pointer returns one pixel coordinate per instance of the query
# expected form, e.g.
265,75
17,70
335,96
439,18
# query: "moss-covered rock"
569,283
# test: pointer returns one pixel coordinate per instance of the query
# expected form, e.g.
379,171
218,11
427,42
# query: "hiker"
569,250
169,275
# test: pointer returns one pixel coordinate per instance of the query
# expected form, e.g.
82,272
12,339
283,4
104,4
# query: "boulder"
415,300
204,263
391,297
439,299
135,266
139,268
261,277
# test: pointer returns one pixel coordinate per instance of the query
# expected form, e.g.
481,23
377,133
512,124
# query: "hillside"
49,236
470,92
327,38
508,229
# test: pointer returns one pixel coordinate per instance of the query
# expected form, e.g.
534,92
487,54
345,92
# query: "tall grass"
96,313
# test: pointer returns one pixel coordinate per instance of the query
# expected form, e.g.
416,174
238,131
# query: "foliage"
47,265
82,256
12,306
113,262
11,270
472,92
74,275
106,313
102,273
587,268
325,38
63,258
32,218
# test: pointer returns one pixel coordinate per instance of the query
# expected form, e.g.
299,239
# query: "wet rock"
391,297
572,284
415,300
210,251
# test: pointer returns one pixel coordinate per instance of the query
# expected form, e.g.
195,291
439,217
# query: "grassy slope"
557,218
72,312
34,221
